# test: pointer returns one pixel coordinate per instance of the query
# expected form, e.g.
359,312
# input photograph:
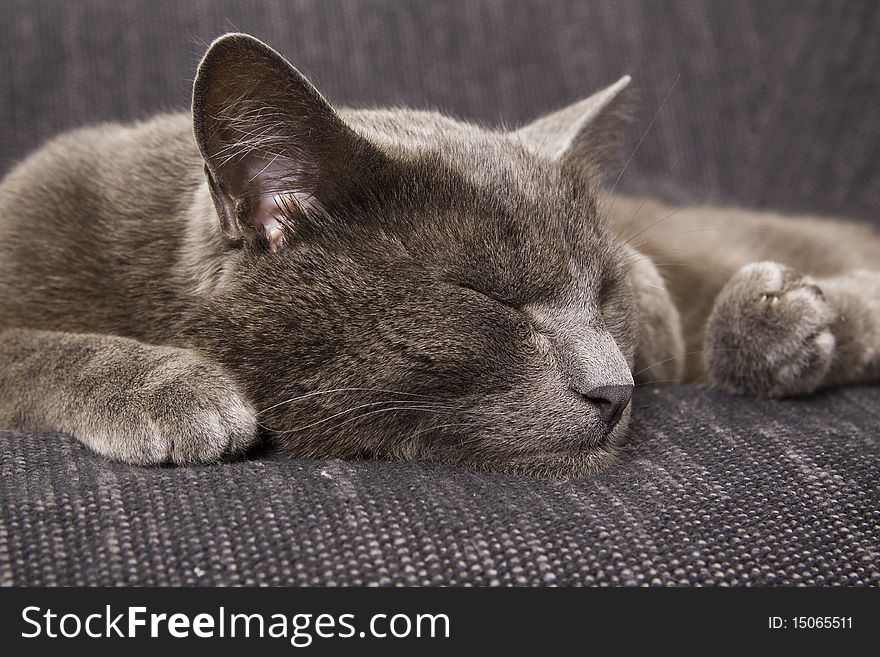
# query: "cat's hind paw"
769,333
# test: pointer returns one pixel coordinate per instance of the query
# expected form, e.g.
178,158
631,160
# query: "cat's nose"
611,402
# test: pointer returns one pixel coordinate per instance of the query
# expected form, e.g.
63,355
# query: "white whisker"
398,408
636,149
412,405
339,390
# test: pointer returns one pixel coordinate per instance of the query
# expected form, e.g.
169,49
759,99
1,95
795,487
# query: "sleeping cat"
391,284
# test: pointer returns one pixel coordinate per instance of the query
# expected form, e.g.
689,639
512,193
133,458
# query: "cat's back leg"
774,332
127,400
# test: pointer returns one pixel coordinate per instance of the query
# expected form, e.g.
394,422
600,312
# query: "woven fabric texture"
721,491
774,103
771,105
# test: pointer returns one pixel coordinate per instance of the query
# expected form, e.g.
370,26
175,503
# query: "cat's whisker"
701,230
667,360
437,427
316,393
722,229
674,165
632,217
653,225
650,383
639,143
640,257
431,409
410,406
263,426
652,365
685,355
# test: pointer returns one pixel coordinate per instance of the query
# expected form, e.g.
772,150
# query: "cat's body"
700,249
390,284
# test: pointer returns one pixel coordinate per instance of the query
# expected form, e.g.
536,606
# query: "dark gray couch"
776,106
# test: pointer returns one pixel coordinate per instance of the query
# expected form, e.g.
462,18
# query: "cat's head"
402,285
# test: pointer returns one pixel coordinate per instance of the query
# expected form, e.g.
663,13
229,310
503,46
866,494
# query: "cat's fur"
390,284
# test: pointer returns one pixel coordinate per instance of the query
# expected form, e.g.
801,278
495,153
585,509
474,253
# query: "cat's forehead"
408,128
491,163
483,201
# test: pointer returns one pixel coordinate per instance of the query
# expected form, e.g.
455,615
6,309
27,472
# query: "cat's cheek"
620,321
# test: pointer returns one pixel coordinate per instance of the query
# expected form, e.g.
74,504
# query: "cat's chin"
590,458
555,465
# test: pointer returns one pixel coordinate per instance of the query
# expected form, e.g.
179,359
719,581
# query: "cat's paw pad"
188,411
769,333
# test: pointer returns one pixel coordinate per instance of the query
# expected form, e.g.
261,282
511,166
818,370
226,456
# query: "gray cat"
391,284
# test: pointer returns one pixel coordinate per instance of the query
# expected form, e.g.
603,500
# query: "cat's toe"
209,427
769,333
197,415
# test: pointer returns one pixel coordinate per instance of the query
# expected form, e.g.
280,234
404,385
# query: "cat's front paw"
184,410
769,333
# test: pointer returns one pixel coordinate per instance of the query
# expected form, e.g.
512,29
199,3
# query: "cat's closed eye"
524,322
494,297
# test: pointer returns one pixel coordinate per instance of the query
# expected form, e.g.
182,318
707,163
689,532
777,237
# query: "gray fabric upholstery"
721,491
775,106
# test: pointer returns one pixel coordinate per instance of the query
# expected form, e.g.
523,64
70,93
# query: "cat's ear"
275,151
584,131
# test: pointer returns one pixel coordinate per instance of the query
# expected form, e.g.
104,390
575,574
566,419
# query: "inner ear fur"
274,149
